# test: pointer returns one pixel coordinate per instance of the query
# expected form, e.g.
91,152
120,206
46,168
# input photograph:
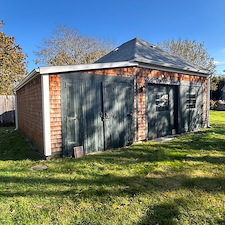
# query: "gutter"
208,102
170,68
71,68
29,77
16,112
84,67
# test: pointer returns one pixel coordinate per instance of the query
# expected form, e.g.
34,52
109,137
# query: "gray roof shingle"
138,50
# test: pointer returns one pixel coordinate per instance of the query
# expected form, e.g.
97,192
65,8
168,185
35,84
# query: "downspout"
208,102
46,114
16,112
136,94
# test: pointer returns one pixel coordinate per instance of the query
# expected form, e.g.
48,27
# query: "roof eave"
85,67
29,77
71,68
171,68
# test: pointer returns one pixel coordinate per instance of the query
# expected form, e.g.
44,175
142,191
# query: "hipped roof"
138,50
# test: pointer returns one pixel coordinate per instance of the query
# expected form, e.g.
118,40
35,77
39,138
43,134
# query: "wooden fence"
7,110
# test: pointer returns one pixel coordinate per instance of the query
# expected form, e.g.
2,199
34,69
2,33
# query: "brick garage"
40,106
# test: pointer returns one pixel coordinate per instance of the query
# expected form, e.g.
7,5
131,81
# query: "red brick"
30,111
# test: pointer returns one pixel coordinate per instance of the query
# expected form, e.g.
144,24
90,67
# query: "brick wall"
143,73
29,105
55,102
55,113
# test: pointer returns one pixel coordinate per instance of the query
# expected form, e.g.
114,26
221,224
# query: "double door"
97,112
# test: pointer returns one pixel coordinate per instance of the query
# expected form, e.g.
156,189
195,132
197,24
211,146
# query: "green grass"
178,182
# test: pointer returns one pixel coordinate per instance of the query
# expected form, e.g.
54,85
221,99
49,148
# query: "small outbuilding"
136,92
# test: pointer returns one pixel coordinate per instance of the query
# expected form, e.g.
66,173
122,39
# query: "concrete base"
165,139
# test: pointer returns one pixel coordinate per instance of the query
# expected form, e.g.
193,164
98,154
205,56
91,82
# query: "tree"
216,84
12,63
68,47
191,51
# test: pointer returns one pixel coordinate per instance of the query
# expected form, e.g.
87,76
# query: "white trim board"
167,69
71,68
29,77
46,115
94,66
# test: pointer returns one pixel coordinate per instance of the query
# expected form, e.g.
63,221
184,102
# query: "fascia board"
71,68
171,66
94,66
29,77
173,70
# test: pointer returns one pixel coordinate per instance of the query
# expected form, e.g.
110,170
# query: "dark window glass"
162,102
190,101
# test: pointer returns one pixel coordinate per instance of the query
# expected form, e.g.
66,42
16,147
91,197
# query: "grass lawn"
178,182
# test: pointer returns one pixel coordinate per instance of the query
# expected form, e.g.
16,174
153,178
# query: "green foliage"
216,84
192,51
12,63
177,182
68,47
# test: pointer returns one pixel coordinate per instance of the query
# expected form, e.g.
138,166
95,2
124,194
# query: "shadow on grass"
163,214
15,147
221,221
105,185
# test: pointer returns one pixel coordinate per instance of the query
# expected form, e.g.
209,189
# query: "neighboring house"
223,93
136,92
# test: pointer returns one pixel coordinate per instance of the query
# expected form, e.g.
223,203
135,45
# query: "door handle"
104,115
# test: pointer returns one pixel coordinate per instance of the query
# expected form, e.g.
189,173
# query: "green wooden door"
82,121
97,112
160,113
118,111
183,111
191,107
194,106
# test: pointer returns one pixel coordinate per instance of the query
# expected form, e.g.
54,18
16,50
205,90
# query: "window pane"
190,101
162,102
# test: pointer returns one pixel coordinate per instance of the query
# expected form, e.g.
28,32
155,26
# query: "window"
162,102
190,101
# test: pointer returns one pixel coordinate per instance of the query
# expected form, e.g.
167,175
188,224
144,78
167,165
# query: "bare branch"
191,51
67,47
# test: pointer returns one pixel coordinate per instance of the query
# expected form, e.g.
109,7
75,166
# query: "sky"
31,21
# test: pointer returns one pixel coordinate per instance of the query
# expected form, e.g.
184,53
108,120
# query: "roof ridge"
135,48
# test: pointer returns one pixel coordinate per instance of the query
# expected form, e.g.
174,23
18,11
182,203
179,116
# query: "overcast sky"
30,21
